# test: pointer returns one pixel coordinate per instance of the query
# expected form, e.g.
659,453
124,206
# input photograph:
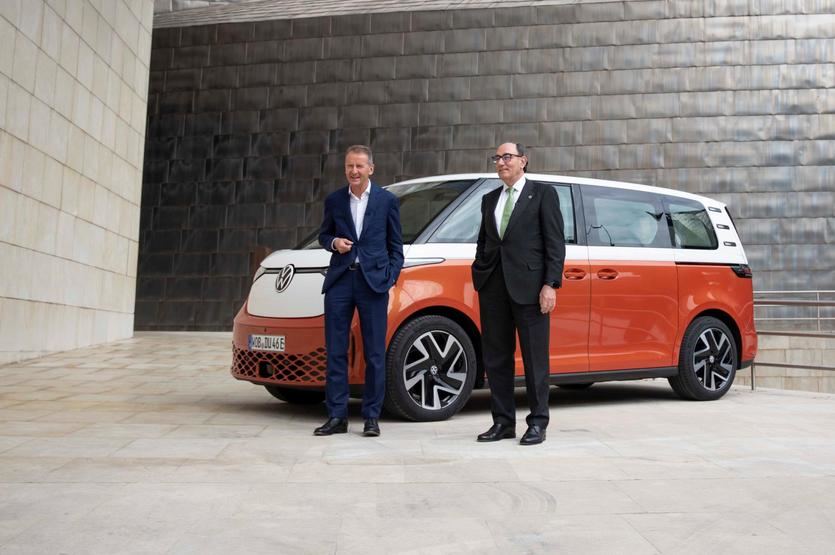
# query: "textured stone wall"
248,121
803,351
73,91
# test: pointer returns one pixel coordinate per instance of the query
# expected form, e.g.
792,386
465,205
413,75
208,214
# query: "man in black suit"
517,270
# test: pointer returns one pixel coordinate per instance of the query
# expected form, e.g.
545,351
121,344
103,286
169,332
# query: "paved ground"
149,446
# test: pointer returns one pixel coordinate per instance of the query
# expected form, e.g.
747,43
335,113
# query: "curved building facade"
73,91
250,108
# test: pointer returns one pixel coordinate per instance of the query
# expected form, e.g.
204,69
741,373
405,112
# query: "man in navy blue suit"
361,227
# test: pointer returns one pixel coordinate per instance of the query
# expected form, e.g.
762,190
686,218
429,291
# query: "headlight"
258,273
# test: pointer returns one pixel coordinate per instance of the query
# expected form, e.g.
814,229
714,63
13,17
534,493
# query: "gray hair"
522,152
361,149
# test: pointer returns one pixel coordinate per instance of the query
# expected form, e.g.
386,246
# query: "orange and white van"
656,284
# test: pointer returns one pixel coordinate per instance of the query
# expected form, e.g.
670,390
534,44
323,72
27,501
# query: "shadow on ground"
612,393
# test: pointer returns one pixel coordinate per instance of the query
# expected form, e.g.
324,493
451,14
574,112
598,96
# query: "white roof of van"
572,179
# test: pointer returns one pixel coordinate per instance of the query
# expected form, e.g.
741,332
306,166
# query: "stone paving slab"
149,446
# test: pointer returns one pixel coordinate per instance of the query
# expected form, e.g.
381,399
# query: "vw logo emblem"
285,276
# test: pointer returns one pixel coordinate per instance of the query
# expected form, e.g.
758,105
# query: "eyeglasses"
506,158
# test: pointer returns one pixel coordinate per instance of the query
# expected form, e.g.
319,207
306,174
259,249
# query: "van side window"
567,209
692,228
624,218
462,225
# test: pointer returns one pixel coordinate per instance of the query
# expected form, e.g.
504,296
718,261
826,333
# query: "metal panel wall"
248,122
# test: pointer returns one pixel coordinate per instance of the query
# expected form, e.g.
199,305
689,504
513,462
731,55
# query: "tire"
295,396
707,361
430,369
575,386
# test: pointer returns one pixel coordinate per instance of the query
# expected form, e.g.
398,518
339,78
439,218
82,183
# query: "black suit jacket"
532,251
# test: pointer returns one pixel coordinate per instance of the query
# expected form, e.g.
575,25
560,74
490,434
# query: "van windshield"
420,203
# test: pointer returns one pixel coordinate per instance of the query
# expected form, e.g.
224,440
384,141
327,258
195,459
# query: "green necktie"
508,209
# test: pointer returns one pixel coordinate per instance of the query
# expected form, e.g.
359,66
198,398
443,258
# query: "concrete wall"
248,121
804,351
73,94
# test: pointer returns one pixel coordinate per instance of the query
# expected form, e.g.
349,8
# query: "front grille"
280,367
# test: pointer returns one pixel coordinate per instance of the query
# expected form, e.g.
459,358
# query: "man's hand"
342,245
547,299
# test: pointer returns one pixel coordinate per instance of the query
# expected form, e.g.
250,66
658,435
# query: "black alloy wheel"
707,362
430,369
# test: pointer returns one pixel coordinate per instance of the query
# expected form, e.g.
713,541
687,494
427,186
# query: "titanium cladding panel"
248,122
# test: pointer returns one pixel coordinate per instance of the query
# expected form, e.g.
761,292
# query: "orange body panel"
632,320
308,333
303,359
716,287
450,285
569,322
633,314
304,336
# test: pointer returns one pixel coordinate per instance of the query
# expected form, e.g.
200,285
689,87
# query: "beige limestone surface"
73,97
148,445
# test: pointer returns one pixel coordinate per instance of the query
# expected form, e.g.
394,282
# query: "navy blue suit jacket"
380,246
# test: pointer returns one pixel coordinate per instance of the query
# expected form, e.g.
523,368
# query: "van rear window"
692,228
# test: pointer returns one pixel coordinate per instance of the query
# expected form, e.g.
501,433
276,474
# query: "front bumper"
301,365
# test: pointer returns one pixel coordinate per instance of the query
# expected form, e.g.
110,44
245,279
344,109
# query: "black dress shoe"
534,434
497,432
371,428
332,426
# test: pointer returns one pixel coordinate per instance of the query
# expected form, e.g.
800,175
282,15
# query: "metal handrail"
793,291
798,334
815,334
787,302
798,366
765,299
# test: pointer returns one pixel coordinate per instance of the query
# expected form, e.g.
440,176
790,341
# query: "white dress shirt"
358,207
517,187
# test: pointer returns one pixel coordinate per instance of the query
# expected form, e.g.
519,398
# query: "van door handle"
574,273
607,273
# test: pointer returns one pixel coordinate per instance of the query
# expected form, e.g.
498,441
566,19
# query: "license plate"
273,343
